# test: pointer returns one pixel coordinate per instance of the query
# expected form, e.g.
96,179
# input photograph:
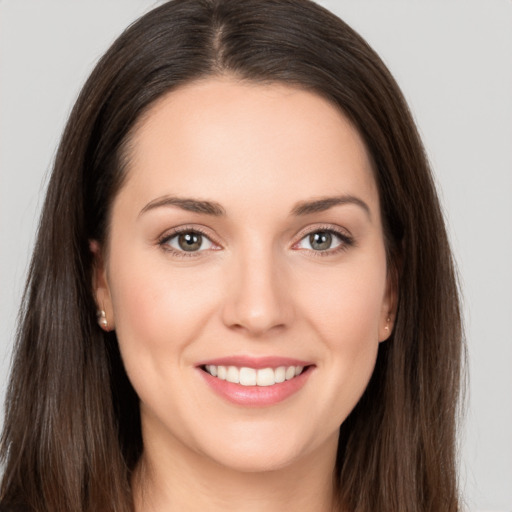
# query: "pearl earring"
388,320
102,320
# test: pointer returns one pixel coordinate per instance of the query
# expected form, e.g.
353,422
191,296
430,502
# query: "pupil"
320,240
190,241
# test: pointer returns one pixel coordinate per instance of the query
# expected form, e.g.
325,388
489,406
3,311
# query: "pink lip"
256,396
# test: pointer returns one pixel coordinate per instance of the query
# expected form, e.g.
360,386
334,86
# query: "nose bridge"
257,299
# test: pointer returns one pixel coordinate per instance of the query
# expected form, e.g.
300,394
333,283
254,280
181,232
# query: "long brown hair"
71,435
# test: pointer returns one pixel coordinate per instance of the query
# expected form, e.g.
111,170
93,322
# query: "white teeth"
265,377
290,372
252,377
221,372
233,375
280,374
248,376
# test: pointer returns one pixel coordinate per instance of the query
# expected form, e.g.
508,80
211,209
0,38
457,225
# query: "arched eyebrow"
188,204
213,208
325,203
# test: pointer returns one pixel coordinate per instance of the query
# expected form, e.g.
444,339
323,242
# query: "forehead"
238,140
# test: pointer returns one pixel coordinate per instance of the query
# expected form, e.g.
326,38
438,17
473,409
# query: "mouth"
247,376
256,382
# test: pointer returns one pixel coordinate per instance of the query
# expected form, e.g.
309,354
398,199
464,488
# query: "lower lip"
256,396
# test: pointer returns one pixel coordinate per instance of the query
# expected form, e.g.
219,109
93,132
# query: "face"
246,245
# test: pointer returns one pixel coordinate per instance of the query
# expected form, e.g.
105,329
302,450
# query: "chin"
262,453
261,462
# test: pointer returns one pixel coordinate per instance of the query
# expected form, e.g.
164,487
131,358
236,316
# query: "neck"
174,478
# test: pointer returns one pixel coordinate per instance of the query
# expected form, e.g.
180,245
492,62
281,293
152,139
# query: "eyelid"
172,233
343,234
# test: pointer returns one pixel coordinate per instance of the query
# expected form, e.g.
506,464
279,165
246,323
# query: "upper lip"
255,362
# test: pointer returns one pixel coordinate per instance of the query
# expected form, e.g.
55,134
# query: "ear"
389,305
101,288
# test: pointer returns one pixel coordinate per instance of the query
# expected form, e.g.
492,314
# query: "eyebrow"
212,208
188,204
325,203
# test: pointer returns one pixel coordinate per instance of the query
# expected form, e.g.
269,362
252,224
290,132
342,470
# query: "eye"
325,240
187,241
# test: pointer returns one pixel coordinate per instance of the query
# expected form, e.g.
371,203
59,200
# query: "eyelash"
346,241
162,242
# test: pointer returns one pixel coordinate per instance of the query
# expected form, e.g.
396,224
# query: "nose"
258,297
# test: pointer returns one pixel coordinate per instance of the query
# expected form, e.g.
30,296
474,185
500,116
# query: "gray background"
453,60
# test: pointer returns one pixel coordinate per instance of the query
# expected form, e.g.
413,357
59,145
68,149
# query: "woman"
242,294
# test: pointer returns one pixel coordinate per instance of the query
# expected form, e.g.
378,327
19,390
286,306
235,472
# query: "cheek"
346,303
159,310
345,313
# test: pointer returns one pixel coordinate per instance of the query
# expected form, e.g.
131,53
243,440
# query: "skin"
255,287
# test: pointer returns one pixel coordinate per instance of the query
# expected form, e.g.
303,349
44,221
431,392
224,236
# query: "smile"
256,381
246,376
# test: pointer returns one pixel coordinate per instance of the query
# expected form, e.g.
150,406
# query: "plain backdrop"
453,60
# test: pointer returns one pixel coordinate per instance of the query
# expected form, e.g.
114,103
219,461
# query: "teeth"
290,372
233,374
280,374
248,376
221,372
252,377
265,377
